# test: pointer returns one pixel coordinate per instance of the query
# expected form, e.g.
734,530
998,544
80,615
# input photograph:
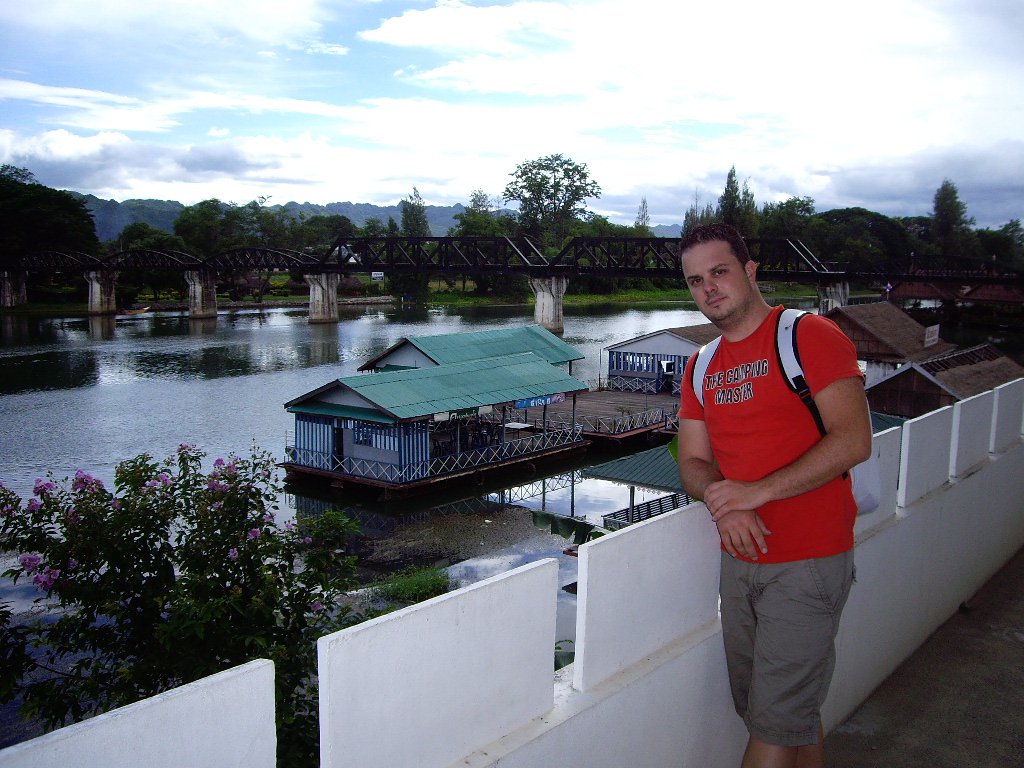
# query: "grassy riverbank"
440,296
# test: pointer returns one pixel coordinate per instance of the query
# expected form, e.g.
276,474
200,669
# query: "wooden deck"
610,415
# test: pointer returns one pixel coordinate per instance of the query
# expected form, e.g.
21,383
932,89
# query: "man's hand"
743,533
725,496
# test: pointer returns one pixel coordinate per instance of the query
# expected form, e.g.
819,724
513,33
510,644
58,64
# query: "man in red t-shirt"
778,490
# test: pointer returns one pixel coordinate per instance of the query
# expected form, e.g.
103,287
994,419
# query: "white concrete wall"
466,679
431,683
221,721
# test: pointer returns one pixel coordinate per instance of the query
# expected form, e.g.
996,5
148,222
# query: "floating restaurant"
407,429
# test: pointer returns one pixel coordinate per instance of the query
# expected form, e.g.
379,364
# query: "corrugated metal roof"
448,348
653,468
418,392
699,334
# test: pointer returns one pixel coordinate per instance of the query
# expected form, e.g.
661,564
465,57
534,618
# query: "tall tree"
737,207
729,200
551,192
412,286
642,224
202,228
951,227
788,218
414,216
698,214
34,217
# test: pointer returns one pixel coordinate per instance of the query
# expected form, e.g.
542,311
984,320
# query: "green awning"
342,412
654,468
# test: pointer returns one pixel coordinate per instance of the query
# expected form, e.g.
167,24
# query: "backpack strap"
789,361
701,361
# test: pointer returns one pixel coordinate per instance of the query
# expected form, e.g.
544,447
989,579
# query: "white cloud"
256,20
659,98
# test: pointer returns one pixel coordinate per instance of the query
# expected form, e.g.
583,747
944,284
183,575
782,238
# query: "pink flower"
217,486
84,482
218,463
29,562
316,606
34,505
232,554
268,518
46,579
253,534
116,504
43,487
72,563
307,540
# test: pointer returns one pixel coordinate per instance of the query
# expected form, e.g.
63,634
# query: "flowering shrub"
173,575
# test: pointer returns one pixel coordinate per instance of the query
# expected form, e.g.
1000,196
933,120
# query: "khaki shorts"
779,623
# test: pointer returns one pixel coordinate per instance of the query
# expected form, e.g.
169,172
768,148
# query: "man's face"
723,289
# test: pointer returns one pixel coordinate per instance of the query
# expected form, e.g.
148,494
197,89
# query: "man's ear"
751,269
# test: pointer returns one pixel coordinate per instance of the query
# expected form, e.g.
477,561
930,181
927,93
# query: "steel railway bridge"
782,259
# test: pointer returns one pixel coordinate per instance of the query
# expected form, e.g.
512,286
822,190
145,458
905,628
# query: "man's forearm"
697,475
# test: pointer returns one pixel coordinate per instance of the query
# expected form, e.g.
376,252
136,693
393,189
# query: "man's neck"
746,325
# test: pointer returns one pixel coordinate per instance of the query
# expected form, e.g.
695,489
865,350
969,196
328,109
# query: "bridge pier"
202,293
323,297
101,292
832,296
12,288
547,311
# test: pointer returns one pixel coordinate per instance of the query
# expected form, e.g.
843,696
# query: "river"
86,393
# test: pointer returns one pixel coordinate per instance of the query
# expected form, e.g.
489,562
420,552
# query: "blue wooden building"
408,427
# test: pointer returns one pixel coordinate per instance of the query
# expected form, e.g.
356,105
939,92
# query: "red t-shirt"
757,425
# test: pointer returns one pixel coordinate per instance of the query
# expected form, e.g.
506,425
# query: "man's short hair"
710,233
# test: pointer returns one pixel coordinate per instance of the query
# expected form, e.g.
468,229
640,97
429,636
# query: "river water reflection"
89,392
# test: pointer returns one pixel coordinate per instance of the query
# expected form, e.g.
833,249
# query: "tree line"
551,194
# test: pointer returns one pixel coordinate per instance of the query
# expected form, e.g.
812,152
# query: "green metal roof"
448,348
653,468
883,421
341,411
418,392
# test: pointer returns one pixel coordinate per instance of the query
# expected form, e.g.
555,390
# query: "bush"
173,576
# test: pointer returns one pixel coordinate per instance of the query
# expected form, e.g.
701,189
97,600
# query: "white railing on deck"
557,437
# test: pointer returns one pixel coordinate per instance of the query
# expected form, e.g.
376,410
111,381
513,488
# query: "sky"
869,104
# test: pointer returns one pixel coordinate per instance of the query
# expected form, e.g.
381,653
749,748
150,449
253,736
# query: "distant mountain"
111,216
441,218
